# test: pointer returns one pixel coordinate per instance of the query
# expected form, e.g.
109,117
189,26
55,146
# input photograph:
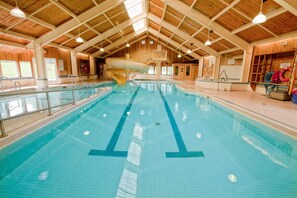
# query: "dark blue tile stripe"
116,134
178,138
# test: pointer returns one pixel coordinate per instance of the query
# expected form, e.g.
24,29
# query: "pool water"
148,139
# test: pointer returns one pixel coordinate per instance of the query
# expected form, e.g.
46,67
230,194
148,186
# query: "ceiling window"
134,7
139,25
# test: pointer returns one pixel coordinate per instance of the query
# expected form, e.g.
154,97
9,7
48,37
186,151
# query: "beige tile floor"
279,112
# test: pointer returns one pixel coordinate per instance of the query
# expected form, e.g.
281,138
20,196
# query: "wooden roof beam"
268,16
182,34
17,35
73,23
171,42
120,41
13,44
109,32
229,50
281,37
204,20
290,5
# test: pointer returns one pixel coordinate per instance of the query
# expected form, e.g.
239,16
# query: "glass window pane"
26,70
176,70
9,68
151,70
188,68
169,70
50,64
164,70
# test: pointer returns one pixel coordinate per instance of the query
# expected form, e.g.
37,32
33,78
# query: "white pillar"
158,69
216,69
73,62
200,68
41,80
92,68
246,64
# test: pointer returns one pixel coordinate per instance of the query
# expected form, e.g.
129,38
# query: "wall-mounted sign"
231,61
283,65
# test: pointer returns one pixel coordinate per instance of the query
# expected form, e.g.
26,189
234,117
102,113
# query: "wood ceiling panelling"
13,39
72,44
154,25
6,20
201,37
120,18
254,33
252,7
172,19
216,46
30,28
226,43
116,10
188,2
61,39
174,13
232,20
103,43
212,35
104,27
177,39
53,15
277,25
156,10
187,28
28,6
77,6
158,3
127,30
91,50
166,32
201,52
101,1
235,53
114,37
81,29
193,23
97,20
209,7
89,35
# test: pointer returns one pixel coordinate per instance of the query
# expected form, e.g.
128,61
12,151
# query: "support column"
246,64
200,68
41,80
158,69
216,69
92,68
73,62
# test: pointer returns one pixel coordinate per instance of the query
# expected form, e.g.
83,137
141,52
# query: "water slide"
120,69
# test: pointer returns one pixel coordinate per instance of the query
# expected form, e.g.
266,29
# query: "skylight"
134,7
139,25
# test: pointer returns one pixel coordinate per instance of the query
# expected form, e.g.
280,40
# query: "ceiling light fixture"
101,48
127,45
189,50
16,12
79,39
260,18
207,43
179,55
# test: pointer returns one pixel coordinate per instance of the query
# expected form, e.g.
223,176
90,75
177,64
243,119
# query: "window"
188,68
164,70
134,7
26,70
51,65
9,69
169,71
151,70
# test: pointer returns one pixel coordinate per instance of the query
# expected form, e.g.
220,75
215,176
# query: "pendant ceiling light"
189,50
179,55
260,18
16,12
79,39
127,45
207,43
101,48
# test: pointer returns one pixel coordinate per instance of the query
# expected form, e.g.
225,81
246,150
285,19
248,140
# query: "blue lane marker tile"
183,152
109,151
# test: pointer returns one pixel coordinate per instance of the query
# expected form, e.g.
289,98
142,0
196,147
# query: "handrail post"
73,96
48,104
3,133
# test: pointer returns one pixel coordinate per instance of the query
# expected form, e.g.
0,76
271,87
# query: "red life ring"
281,74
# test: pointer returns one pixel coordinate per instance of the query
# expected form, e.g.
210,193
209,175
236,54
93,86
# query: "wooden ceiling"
178,24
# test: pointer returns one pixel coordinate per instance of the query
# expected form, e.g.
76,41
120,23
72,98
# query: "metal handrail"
73,79
49,107
17,84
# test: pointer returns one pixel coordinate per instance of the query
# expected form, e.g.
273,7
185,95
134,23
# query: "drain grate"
157,123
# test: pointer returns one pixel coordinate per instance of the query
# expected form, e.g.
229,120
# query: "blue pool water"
149,139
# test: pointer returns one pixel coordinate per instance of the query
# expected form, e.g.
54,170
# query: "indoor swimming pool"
149,139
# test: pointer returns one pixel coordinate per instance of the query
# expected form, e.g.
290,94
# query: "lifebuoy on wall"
281,74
